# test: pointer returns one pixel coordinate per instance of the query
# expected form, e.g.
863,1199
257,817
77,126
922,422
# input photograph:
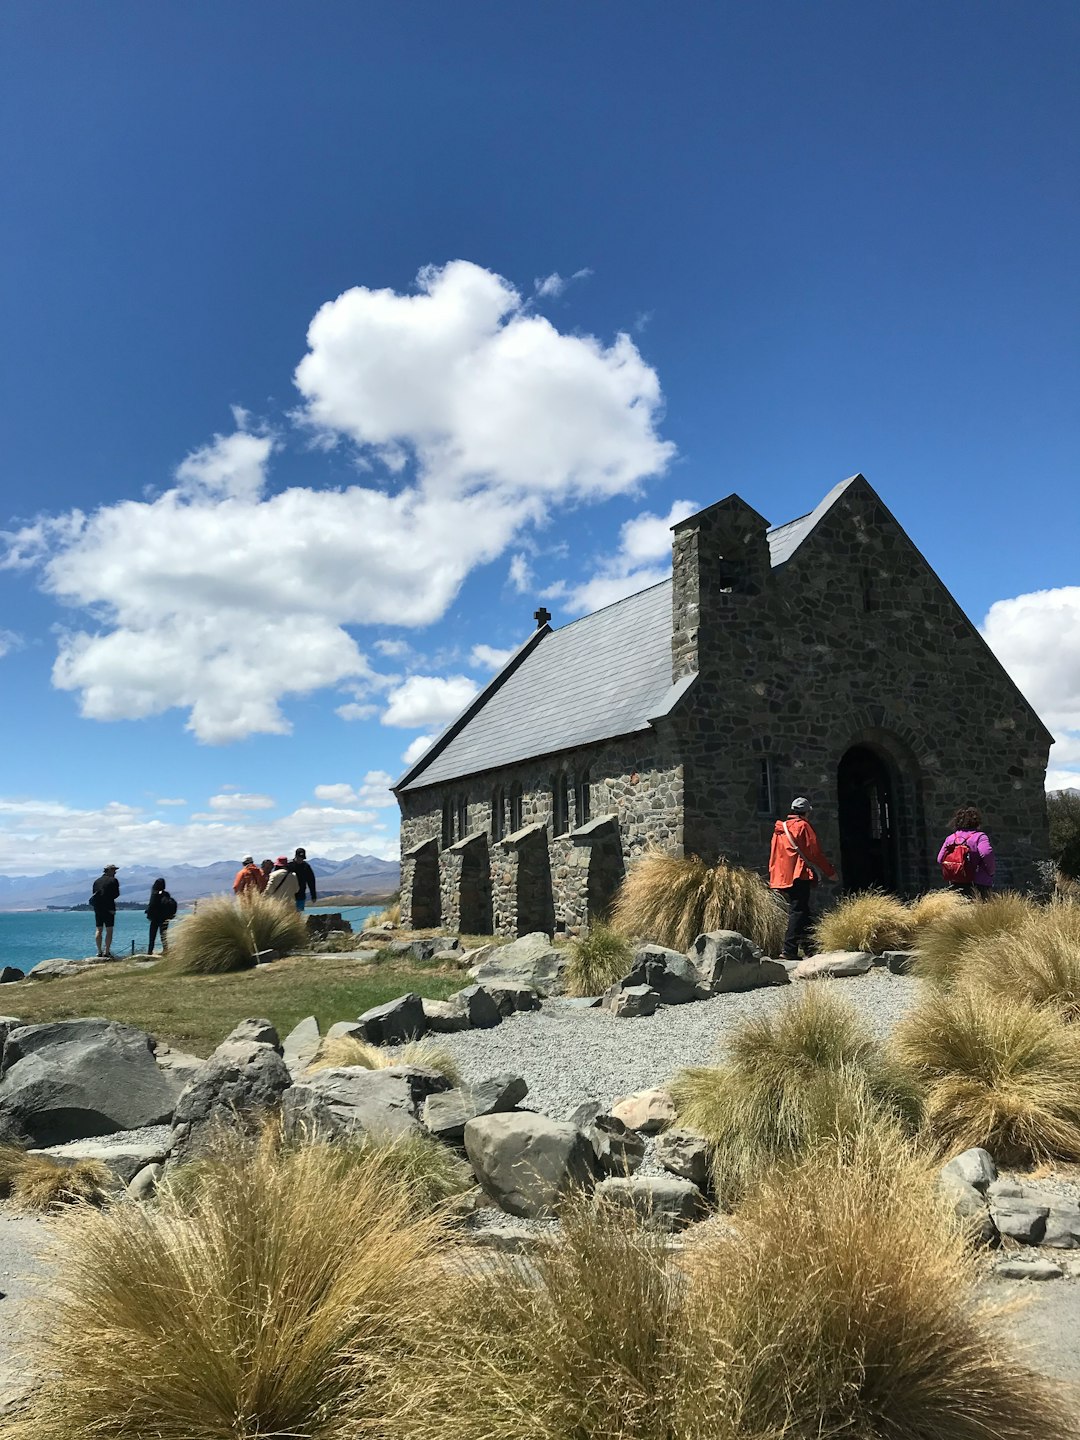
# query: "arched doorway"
866,796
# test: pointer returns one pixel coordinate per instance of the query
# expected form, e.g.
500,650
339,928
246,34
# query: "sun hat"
248,860
282,860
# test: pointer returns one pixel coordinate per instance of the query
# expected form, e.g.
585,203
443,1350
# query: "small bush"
790,1078
1039,962
947,941
671,901
870,921
269,1303
935,905
225,935
1063,812
390,916
345,1051
998,1072
597,960
39,1182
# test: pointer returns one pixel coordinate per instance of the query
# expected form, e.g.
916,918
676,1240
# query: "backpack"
958,866
168,905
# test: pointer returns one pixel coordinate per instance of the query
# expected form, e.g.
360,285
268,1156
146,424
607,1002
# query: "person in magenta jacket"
967,830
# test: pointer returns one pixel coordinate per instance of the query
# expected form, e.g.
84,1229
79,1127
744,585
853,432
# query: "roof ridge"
612,603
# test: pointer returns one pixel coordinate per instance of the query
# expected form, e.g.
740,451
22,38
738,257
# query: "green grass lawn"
196,1012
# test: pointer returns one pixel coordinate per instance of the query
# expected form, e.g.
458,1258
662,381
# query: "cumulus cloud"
551,286
8,641
1037,638
221,599
415,749
356,710
643,558
168,801
393,649
486,657
520,574
428,700
373,791
237,801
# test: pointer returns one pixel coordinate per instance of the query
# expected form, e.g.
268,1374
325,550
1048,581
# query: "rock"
1029,1270
347,1030
61,969
1062,1226
395,1022
728,962
660,1202
968,1206
618,1151
512,996
632,1002
675,979
143,1185
647,1111
259,1032
685,1153
900,962
473,959
479,1006
1005,1190
445,1018
350,1102
176,1063
446,957
529,1163
532,960
447,1113
241,1082
321,926
975,1166
837,963
124,1160
301,1044
66,1080
9,974
1019,1220
7,1024
419,950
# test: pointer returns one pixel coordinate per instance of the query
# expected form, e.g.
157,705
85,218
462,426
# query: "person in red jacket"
796,862
250,880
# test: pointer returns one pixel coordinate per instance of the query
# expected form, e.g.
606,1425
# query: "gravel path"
568,1054
29,1252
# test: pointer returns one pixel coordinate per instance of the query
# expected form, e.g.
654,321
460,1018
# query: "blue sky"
575,268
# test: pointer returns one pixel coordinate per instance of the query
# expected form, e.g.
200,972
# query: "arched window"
582,798
498,813
462,825
560,803
515,809
447,823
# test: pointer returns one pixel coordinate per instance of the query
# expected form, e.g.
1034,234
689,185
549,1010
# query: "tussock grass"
935,905
671,900
38,1182
790,1078
597,960
269,1303
390,916
345,1051
1039,962
224,935
946,943
871,921
999,1072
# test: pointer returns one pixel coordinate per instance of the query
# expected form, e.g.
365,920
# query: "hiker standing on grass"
305,879
249,879
796,863
103,900
282,883
967,857
160,909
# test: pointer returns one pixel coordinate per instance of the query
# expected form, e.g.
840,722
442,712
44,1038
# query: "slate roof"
604,675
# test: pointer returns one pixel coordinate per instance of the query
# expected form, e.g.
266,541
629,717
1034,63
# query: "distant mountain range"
359,875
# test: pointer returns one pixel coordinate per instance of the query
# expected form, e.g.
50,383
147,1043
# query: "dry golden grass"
809,1070
271,1302
998,1072
390,916
1039,962
671,901
871,921
597,960
933,906
946,943
345,1051
38,1182
225,935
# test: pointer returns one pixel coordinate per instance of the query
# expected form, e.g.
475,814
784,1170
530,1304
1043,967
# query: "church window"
447,823
582,798
462,818
498,813
560,803
515,809
766,794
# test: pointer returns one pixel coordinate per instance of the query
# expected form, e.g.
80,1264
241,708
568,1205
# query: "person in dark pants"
796,862
305,879
160,909
103,900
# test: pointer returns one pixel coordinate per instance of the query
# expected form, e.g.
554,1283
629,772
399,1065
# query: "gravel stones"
529,1163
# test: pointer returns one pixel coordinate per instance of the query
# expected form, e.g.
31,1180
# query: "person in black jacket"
103,900
160,909
305,878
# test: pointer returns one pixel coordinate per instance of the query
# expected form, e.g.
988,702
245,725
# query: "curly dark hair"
967,818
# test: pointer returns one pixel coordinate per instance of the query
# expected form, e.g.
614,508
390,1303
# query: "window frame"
582,798
560,803
766,786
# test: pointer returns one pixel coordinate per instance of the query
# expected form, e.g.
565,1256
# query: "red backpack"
958,866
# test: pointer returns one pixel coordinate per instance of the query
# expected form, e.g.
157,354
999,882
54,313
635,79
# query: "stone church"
822,657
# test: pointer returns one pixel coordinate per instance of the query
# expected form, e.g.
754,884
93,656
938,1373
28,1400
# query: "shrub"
38,1182
345,1051
225,935
935,905
267,1304
870,921
998,1072
390,916
1039,962
1063,812
862,1321
946,943
672,900
791,1077
597,960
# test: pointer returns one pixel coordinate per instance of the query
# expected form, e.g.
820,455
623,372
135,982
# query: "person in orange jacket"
796,862
250,880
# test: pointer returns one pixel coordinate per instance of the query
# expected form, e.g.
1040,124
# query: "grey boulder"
445,1018
1020,1220
301,1045
259,1032
512,997
532,961
241,1083
529,1164
837,964
396,1022
630,1001
675,979
618,1151
900,962
1028,1270
125,1158
446,1114
70,1079
1062,1226
352,1102
684,1153
728,962
968,1206
9,974
975,1166
660,1202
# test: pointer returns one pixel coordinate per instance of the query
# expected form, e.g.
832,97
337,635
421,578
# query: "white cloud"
353,710
485,417
8,641
393,648
429,700
164,801
373,791
415,749
520,574
551,286
236,801
488,658
1037,638
642,559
